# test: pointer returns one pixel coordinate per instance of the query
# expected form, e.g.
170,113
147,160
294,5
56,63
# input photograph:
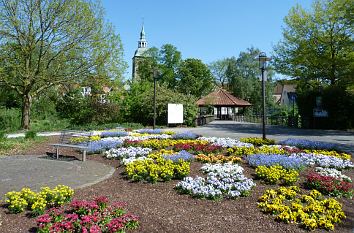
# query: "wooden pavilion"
224,105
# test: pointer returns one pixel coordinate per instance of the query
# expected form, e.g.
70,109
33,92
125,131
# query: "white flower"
332,173
225,142
222,180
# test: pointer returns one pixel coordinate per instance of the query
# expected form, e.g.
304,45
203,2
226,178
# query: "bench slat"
70,145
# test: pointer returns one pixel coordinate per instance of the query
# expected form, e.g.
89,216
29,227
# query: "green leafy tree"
242,75
166,60
218,69
138,104
45,43
194,78
318,44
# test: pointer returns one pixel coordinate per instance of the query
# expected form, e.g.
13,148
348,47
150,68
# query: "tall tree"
195,78
218,69
166,59
169,59
45,43
242,75
318,44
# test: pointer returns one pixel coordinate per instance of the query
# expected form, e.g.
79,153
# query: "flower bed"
332,153
311,211
157,170
223,180
323,161
225,142
307,144
185,135
88,216
196,147
219,158
258,141
275,173
182,155
129,152
107,134
269,160
241,151
332,173
162,144
38,202
329,185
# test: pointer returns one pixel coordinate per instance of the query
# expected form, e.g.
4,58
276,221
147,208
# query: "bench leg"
84,156
57,152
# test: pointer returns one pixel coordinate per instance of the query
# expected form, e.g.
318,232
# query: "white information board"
175,113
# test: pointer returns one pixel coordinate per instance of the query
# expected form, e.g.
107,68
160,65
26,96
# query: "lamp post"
156,74
262,58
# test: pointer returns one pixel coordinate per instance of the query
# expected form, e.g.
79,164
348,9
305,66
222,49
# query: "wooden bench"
65,141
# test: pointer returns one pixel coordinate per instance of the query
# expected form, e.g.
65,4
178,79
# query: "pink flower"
45,218
95,229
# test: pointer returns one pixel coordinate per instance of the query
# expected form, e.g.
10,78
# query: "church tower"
139,53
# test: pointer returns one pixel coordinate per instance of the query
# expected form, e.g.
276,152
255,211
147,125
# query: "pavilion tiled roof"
221,97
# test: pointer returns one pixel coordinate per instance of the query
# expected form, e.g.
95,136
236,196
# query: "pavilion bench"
64,141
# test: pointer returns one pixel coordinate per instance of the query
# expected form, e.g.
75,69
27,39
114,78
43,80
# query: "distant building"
139,54
285,94
224,105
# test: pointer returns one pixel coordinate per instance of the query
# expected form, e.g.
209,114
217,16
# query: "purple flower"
107,134
307,144
184,155
269,160
185,135
150,131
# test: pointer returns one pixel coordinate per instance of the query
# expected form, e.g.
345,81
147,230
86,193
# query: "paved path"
238,130
37,171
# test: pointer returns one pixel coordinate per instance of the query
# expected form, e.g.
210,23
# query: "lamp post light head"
262,58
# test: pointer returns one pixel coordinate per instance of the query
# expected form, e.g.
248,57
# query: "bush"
2,135
10,119
30,134
138,104
85,110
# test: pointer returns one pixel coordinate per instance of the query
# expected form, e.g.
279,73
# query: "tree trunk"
26,108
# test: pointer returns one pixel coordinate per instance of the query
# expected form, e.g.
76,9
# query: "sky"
204,29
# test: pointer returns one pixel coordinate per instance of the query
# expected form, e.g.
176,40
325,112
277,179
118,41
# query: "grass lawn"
11,146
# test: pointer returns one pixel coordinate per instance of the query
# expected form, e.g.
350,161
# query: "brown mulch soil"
162,209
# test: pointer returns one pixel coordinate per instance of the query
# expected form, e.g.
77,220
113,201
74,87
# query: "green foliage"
194,78
10,119
18,145
2,135
30,134
83,110
241,77
340,111
138,104
55,43
318,44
